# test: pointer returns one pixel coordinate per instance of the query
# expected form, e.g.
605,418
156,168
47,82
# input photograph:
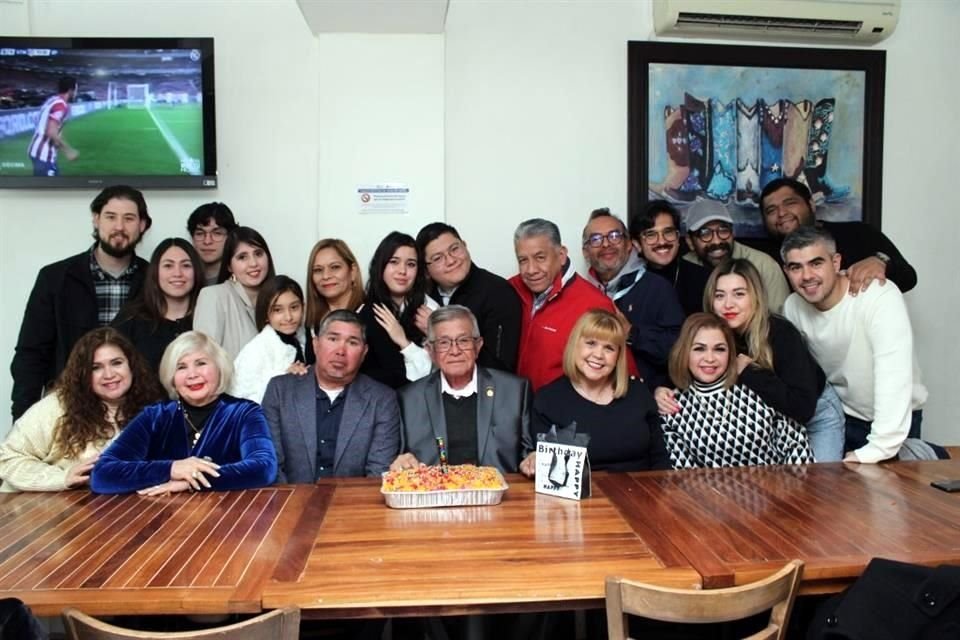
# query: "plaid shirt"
111,292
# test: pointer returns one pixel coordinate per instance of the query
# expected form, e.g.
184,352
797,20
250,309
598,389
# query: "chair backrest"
282,624
775,593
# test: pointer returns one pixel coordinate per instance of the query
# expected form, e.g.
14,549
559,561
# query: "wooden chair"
282,624
775,593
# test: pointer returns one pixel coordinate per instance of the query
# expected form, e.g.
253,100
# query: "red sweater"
544,335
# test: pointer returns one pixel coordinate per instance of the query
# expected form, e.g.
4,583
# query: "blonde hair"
599,324
317,305
194,342
756,333
679,364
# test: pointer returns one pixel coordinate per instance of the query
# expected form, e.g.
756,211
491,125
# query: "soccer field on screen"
119,142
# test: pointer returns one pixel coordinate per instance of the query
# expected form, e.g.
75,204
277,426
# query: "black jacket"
893,601
61,308
856,241
497,308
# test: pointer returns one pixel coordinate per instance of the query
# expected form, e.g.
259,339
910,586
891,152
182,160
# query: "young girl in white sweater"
279,347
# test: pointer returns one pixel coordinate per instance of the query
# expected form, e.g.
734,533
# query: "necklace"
193,427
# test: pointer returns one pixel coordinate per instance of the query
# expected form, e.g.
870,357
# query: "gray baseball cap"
703,211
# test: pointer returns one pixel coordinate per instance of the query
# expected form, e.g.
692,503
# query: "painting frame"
643,56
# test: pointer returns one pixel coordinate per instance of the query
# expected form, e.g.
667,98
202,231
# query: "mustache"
668,245
718,245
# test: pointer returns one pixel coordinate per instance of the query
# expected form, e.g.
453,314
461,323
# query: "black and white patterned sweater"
718,427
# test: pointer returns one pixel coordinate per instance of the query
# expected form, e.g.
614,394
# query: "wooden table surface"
189,553
531,552
738,525
336,550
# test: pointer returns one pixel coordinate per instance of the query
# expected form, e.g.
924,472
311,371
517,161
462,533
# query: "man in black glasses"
209,225
711,240
456,279
655,232
483,415
648,303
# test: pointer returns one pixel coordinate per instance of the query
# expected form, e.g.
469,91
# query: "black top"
625,435
655,317
497,308
796,381
383,362
461,418
688,279
151,338
856,241
61,308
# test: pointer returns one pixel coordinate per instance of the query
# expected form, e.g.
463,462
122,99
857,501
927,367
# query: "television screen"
78,112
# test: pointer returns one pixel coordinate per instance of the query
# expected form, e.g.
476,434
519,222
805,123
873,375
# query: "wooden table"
530,553
335,550
738,525
199,553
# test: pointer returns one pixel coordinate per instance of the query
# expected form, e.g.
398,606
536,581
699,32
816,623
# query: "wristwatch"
884,258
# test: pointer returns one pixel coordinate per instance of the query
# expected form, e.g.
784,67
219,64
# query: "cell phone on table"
950,486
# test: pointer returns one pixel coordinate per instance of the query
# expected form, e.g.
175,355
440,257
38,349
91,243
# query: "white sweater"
864,345
263,358
27,462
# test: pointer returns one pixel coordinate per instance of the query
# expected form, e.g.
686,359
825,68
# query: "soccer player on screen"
47,139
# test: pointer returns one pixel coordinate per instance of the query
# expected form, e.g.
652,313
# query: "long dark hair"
151,303
269,292
377,291
84,418
253,238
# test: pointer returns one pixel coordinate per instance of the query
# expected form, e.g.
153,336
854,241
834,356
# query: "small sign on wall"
563,470
383,198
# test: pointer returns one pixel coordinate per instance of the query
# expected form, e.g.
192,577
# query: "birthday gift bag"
562,464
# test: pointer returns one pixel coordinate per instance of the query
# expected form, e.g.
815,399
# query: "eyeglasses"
723,231
217,234
454,251
614,238
652,236
464,343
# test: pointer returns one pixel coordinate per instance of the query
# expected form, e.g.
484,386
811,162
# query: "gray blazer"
369,435
503,418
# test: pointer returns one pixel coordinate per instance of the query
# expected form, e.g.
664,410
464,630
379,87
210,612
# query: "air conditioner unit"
862,22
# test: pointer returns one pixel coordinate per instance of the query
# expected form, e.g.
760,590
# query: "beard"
114,251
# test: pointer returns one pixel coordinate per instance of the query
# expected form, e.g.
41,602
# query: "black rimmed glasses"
454,251
652,236
464,343
722,231
614,238
219,234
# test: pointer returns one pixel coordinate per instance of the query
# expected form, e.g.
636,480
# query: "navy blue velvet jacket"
236,436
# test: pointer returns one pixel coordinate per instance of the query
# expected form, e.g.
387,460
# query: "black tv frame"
208,180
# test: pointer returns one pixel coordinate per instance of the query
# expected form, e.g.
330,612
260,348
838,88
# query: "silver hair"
538,227
448,313
806,236
194,342
341,315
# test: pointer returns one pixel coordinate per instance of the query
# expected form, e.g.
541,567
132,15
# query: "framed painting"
720,122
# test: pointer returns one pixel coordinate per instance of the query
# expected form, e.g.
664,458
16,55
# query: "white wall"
518,110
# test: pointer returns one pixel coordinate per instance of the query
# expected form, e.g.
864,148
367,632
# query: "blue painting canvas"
724,132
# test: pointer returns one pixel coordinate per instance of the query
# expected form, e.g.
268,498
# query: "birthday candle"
443,453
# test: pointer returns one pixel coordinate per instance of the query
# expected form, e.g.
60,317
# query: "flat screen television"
82,112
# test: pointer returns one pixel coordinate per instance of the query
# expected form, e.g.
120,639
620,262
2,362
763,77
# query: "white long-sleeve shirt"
864,345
